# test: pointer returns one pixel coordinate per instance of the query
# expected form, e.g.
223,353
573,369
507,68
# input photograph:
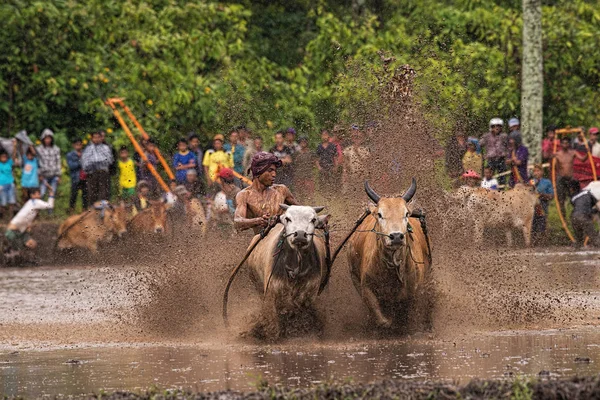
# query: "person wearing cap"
471,178
548,143
494,142
290,140
593,142
195,186
471,160
304,164
229,188
237,151
49,160
514,130
566,185
258,202
216,158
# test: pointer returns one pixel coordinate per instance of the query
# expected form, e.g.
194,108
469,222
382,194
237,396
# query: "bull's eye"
288,220
312,221
379,215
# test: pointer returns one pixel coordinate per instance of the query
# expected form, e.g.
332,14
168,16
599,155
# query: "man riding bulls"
257,203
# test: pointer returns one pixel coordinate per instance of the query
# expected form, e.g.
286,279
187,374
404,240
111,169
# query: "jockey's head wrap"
261,163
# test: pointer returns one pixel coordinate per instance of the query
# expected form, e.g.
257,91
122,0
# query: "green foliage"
206,66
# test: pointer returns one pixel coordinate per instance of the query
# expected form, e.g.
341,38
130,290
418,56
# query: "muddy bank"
575,388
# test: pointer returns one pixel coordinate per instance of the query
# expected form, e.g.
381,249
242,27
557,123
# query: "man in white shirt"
18,229
593,142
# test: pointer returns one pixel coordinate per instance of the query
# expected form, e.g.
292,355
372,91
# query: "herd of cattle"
389,254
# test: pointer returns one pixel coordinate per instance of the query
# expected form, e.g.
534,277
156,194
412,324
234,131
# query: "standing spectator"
144,172
95,161
8,197
517,161
494,143
237,151
257,146
245,137
545,191
566,185
471,160
488,181
290,140
455,150
548,143
304,163
579,143
78,177
514,130
285,175
327,154
183,161
127,177
194,185
593,142
356,157
216,158
49,159
196,149
30,174
113,168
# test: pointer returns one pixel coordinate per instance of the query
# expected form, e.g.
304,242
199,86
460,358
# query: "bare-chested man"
566,186
259,201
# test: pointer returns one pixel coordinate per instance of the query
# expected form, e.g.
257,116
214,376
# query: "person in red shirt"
548,143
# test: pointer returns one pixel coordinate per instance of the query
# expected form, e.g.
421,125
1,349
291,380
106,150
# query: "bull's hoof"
384,323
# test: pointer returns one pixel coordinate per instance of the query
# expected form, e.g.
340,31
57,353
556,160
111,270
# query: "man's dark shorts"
17,239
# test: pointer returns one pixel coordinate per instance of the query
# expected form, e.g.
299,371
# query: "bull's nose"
158,230
300,238
397,237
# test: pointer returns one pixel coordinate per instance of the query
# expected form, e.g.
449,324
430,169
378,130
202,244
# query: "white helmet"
496,121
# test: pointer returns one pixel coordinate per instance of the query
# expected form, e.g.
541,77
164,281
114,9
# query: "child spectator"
196,149
49,159
142,199
194,185
78,176
17,232
545,191
488,181
127,178
29,176
471,178
8,198
471,160
216,158
183,161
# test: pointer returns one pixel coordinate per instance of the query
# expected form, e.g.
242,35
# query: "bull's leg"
527,234
509,240
373,304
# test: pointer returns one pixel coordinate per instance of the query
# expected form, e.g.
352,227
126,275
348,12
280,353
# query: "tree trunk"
532,79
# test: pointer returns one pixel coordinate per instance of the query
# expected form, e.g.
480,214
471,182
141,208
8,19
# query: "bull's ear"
318,209
322,221
284,207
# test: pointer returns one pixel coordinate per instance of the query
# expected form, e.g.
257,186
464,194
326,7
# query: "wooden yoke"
136,145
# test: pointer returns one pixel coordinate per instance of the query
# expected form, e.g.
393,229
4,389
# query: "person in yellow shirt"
215,158
127,178
471,160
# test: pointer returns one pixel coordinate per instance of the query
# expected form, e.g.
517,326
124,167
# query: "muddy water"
71,331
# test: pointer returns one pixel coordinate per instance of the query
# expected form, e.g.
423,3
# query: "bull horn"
408,195
318,209
284,207
371,193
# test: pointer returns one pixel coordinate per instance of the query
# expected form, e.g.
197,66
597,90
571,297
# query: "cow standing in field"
288,267
88,229
389,259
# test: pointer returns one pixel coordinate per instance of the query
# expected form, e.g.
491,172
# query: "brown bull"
152,220
389,258
288,267
86,230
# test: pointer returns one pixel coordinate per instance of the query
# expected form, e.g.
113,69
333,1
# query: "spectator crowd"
499,160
